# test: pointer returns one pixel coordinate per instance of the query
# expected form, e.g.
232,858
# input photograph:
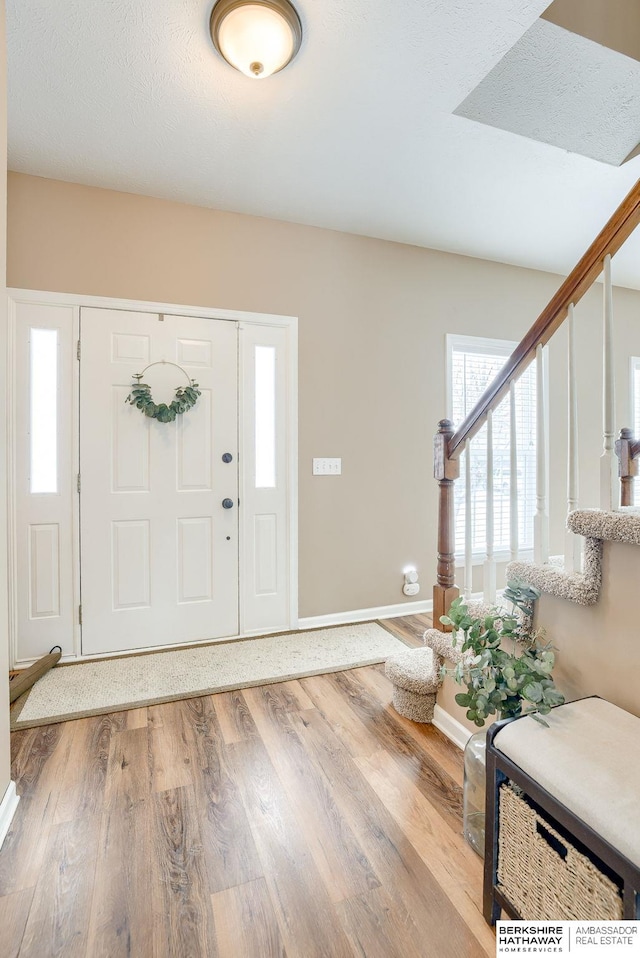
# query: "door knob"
227,457
227,503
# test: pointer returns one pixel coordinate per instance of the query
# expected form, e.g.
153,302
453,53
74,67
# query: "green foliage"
507,668
185,398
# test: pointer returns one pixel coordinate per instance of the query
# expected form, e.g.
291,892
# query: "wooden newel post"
627,449
446,471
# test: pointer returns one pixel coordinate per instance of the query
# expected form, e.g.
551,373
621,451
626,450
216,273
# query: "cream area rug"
112,685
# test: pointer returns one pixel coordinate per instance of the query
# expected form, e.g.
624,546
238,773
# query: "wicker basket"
543,876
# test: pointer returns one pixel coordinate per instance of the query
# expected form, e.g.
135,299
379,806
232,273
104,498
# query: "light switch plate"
327,467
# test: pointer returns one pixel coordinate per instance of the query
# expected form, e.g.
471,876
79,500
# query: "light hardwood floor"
305,819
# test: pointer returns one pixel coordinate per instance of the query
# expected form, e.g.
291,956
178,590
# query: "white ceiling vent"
560,88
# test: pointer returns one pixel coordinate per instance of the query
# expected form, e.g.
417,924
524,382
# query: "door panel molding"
268,493
21,657
31,514
134,599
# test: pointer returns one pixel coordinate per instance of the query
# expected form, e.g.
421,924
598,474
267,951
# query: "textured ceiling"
358,134
562,89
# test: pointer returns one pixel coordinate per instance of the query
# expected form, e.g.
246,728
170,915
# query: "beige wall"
597,646
612,23
4,644
373,317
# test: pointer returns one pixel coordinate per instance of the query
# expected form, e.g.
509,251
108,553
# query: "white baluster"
468,524
608,465
489,571
541,519
513,475
572,551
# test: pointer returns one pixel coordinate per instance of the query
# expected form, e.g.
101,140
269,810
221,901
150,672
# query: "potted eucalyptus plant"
506,667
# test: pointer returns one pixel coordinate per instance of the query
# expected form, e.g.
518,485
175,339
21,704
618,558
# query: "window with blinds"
473,362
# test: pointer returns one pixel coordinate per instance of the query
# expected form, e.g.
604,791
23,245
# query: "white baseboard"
458,733
7,809
365,615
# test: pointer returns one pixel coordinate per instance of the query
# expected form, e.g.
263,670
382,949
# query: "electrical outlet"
327,467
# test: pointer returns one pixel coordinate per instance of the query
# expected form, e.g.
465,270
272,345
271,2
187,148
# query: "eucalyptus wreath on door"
185,397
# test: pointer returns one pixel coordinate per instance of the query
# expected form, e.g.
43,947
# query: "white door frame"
76,301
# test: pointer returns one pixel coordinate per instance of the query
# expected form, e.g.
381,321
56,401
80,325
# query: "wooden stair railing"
628,452
449,442
446,471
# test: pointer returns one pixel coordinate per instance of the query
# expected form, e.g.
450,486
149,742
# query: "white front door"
159,551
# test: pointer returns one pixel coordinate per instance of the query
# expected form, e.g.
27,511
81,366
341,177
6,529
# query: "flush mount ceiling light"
257,37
